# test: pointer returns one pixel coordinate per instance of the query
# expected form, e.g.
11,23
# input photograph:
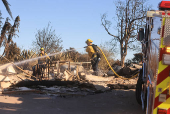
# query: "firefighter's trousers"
94,63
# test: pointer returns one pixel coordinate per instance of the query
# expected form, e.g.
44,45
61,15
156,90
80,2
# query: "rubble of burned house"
66,79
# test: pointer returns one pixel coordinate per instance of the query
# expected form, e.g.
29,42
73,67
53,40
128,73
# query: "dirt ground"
112,102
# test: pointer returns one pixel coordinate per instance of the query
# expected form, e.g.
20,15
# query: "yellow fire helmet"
42,49
89,41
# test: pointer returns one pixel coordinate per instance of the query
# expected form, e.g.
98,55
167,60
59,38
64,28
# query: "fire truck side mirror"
141,34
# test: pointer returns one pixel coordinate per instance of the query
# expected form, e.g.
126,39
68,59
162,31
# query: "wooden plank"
58,67
48,70
69,76
77,71
44,83
79,62
63,61
68,72
69,66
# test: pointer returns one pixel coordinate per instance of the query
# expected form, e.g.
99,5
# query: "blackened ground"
114,102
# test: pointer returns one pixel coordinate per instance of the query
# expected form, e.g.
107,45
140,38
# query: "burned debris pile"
64,78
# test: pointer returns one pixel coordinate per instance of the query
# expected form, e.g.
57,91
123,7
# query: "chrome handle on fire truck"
150,79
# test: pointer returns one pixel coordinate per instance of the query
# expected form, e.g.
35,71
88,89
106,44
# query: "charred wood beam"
45,83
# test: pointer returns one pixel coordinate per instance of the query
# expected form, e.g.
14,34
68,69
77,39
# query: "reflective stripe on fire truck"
163,78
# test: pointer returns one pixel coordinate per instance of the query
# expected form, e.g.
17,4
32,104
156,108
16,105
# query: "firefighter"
93,56
44,59
39,68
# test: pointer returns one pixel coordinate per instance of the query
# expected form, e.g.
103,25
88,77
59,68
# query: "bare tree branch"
137,19
104,25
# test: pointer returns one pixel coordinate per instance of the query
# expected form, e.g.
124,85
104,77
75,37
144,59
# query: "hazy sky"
74,20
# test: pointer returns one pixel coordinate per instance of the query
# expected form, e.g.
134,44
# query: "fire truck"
153,85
